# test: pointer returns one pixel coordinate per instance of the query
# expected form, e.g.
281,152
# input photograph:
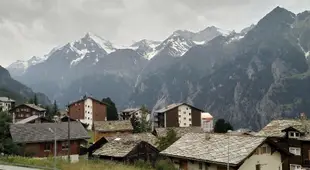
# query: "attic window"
292,134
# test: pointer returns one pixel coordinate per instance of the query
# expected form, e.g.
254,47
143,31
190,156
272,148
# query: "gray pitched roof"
110,126
120,146
275,127
38,108
131,109
41,132
213,147
169,107
172,106
6,99
180,131
29,119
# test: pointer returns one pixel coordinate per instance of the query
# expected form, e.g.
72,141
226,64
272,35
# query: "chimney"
208,136
303,116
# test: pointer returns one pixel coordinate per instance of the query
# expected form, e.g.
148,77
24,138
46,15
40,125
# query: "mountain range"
247,77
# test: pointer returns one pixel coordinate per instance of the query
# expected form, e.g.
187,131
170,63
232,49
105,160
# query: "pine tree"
111,109
35,100
165,141
7,146
222,126
55,108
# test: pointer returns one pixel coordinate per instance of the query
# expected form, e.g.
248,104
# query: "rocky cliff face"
17,91
241,77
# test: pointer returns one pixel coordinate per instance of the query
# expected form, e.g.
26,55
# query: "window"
190,119
185,124
184,112
294,150
263,150
293,135
189,113
295,167
200,166
258,167
21,115
64,145
47,147
184,118
187,108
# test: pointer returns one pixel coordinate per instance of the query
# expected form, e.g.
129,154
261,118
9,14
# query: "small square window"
47,147
184,118
190,119
189,113
65,145
184,123
184,112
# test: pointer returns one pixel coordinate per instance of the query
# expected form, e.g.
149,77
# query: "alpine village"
164,132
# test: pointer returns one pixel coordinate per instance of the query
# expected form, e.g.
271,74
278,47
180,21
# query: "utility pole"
228,149
69,145
55,144
55,148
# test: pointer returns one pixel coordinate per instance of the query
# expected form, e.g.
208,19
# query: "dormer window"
292,134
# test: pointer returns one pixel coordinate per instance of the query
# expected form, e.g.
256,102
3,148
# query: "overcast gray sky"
34,27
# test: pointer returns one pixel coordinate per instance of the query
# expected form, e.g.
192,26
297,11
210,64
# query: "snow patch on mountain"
104,44
307,54
223,32
82,54
199,42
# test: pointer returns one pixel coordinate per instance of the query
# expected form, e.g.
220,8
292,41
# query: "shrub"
165,165
143,164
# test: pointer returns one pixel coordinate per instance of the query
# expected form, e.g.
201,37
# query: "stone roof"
131,109
120,146
35,107
213,147
172,106
275,127
44,132
169,107
111,126
6,99
28,119
180,131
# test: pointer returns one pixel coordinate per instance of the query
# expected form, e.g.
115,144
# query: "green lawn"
92,136
83,164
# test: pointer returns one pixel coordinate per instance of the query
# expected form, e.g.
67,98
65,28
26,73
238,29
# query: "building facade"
128,113
24,111
111,128
37,140
87,111
207,122
177,115
293,135
200,151
6,104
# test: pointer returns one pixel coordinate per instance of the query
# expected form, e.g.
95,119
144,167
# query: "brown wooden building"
26,110
88,110
293,135
111,128
37,140
126,148
178,115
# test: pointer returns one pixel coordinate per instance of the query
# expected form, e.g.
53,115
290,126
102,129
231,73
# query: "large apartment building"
88,110
177,115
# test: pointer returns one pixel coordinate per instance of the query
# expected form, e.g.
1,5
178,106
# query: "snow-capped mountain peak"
104,44
146,48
